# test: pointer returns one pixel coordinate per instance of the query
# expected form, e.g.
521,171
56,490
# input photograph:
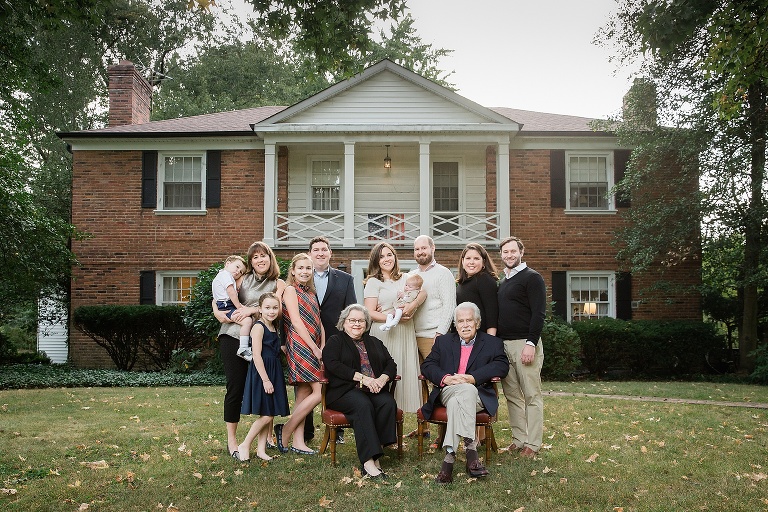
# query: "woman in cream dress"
383,283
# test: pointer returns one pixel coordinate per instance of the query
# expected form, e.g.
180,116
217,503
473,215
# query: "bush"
562,349
8,350
760,375
125,332
648,347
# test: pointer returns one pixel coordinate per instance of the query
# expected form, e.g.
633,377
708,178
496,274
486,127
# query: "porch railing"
446,228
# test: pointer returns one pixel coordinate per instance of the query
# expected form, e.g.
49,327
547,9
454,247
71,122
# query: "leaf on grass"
644,449
756,477
22,459
520,509
563,480
54,472
592,458
183,447
83,506
223,482
9,492
470,480
547,469
172,508
166,456
546,447
238,472
214,458
399,484
199,476
99,464
220,473
325,502
144,457
347,480
618,509
534,473
76,484
615,447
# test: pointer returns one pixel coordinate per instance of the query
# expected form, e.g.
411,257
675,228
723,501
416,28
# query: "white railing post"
270,193
502,189
424,192
349,194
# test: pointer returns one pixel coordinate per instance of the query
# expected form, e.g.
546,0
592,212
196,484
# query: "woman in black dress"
477,283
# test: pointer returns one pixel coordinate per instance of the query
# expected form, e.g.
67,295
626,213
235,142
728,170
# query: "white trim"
611,275
160,274
331,158
163,143
161,156
609,172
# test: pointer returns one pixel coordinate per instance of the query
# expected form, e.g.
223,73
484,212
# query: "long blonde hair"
291,280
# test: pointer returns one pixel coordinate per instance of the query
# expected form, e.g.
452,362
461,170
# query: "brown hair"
374,269
270,295
488,265
319,239
262,248
291,279
511,239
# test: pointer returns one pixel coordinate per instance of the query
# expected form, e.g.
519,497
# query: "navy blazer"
486,361
339,294
342,359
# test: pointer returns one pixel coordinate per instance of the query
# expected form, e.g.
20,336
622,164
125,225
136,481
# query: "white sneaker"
245,353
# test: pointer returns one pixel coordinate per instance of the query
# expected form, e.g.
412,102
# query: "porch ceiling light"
387,160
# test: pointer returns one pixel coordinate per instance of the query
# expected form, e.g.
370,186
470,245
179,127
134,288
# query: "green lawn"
164,449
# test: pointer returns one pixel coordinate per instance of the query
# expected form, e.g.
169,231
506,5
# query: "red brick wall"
125,238
130,95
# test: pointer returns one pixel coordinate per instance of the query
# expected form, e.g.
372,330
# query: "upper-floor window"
591,295
326,185
181,182
589,177
174,287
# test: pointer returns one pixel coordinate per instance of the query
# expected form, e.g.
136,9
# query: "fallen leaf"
563,480
618,509
592,458
83,506
347,480
183,447
470,480
325,502
520,509
238,472
172,508
197,475
76,484
166,456
644,449
399,484
9,492
144,457
534,473
547,470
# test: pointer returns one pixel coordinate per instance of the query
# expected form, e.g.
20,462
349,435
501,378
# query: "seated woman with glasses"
358,368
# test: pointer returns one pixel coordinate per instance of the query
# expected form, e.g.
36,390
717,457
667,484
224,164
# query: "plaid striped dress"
303,366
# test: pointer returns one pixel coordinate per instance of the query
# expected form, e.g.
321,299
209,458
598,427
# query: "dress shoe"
445,476
528,453
381,476
279,438
513,448
475,469
303,452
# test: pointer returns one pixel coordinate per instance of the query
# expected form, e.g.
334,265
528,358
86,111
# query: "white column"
270,193
425,207
502,189
349,194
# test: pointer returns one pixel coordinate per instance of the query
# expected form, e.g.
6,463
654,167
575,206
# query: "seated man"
461,366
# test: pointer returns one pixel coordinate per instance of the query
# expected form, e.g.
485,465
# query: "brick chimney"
130,95
640,105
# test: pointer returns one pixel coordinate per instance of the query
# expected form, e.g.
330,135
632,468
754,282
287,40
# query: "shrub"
8,350
125,332
198,314
604,342
562,349
760,374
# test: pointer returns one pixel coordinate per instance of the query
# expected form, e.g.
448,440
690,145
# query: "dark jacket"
486,361
342,359
339,294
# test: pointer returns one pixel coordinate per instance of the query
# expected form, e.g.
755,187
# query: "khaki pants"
425,347
522,390
462,403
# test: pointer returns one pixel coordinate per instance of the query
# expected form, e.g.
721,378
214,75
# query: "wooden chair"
440,418
334,420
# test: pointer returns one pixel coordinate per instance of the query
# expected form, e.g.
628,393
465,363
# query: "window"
326,185
591,295
175,287
589,177
445,197
181,179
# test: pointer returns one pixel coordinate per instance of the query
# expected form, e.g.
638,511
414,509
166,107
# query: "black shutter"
560,294
147,287
624,296
149,179
213,179
620,160
557,178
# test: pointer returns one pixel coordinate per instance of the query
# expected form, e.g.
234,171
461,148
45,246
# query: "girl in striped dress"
304,341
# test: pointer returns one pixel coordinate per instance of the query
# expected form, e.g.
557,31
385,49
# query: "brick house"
384,155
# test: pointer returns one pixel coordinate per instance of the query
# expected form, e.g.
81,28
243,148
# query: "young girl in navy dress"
265,392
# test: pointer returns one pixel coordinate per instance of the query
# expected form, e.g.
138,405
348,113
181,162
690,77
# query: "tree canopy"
708,64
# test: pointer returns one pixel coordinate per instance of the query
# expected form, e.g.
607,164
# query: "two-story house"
384,155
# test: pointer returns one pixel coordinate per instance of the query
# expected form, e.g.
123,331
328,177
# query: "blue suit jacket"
486,361
339,294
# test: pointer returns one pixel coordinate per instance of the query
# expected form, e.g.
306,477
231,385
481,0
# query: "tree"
709,62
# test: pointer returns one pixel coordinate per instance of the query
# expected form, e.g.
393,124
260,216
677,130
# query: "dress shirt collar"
468,343
509,272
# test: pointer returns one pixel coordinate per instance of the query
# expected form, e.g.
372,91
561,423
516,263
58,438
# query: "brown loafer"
512,448
475,469
528,452
445,476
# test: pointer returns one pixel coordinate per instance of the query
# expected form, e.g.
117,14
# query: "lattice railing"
448,228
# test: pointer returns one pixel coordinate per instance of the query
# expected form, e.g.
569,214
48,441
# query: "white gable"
387,98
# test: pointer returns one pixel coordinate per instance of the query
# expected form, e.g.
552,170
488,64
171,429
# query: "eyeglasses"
356,320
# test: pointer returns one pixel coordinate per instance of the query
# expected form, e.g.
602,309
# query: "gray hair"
471,306
347,310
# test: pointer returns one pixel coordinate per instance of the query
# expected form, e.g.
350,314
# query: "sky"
527,54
